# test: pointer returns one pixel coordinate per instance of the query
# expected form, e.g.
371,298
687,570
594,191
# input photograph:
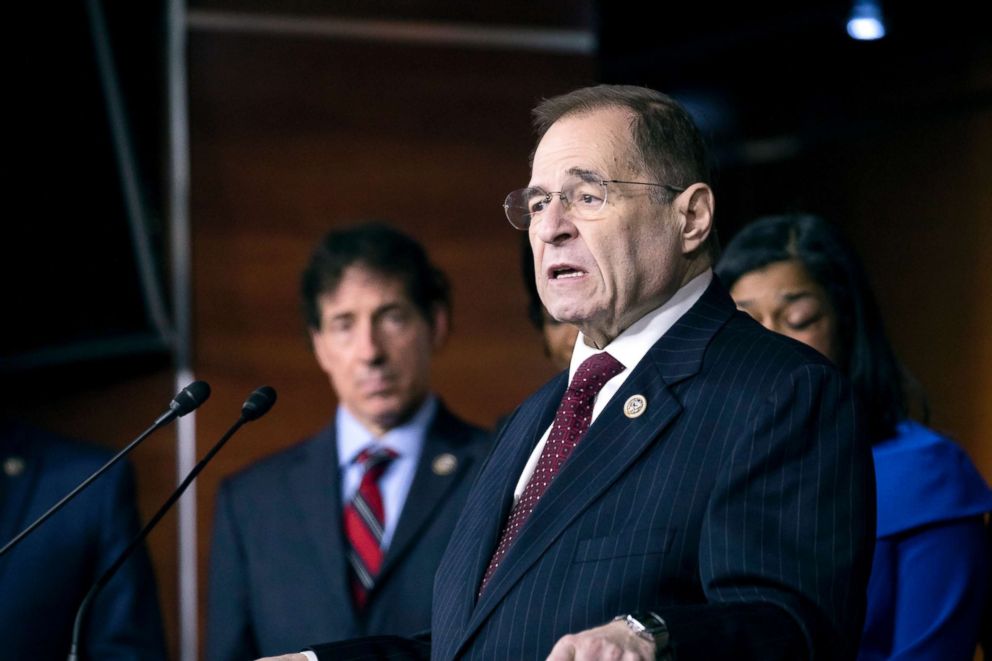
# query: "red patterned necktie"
364,517
570,425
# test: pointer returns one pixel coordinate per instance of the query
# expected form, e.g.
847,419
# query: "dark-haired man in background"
340,535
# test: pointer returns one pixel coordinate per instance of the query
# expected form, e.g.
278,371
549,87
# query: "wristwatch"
649,626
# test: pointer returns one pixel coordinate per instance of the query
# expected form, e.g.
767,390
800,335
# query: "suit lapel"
315,490
490,500
612,444
430,487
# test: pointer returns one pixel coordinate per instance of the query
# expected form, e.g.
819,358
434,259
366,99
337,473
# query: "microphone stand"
256,410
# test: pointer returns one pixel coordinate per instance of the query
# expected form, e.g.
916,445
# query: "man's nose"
368,344
555,225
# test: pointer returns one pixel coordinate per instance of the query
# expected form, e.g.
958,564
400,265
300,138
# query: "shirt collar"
404,440
633,344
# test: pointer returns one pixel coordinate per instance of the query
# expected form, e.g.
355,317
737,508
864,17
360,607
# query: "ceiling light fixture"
865,22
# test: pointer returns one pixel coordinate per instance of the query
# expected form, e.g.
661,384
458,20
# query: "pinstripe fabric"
739,506
571,422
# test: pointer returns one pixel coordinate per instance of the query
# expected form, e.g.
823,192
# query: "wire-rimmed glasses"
582,195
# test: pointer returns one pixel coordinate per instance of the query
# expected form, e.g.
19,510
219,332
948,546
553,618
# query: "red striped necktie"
364,518
571,423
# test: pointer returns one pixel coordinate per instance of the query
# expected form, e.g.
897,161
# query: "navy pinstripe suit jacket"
739,506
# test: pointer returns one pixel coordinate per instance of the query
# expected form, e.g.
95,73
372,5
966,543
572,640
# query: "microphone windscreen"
258,403
190,397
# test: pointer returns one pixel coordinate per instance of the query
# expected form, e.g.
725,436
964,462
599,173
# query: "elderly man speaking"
695,487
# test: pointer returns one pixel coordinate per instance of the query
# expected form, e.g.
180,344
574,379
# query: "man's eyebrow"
585,175
390,306
581,173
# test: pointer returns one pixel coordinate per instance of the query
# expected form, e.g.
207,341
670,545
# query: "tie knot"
594,372
375,459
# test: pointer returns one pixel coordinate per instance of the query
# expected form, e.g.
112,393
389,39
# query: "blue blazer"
739,506
930,576
45,577
279,576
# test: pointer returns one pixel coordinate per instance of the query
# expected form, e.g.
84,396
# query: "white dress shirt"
407,441
629,348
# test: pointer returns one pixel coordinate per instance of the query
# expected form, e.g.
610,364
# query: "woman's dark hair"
866,355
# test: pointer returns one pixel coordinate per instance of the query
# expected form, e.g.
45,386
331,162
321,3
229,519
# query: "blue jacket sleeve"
936,584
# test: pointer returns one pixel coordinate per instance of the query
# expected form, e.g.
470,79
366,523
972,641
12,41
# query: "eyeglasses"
584,196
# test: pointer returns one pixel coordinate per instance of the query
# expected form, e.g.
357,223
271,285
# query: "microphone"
258,404
188,399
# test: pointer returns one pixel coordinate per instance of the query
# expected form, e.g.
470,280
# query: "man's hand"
614,642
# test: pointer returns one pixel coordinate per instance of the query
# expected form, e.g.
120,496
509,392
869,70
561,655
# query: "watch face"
635,625
650,627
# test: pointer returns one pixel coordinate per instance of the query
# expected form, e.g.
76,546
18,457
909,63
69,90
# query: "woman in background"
797,276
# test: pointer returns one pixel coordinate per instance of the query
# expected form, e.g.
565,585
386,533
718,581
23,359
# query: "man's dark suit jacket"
739,506
45,577
279,576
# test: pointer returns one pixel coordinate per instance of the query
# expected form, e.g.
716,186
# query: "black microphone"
188,399
257,405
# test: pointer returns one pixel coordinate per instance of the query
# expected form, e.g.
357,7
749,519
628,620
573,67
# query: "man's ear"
695,207
441,326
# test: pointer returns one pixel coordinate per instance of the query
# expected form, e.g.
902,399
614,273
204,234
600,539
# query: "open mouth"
565,272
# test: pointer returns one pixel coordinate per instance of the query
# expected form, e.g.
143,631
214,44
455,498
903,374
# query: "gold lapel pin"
13,466
635,406
444,464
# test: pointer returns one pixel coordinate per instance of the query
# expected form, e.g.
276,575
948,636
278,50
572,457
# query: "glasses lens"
521,204
586,196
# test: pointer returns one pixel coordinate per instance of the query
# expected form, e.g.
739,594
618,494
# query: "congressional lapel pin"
635,406
444,464
13,466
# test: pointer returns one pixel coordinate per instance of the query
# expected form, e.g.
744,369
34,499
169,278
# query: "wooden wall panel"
920,212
